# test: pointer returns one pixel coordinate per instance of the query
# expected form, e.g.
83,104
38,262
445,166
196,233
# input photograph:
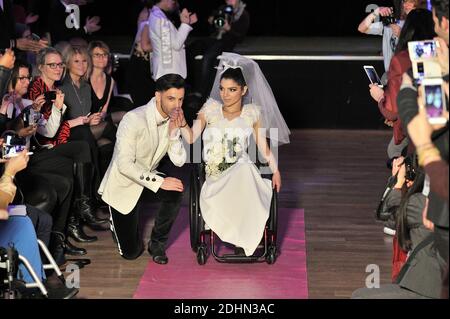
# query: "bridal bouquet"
222,155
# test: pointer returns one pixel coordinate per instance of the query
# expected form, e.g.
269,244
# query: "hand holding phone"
373,75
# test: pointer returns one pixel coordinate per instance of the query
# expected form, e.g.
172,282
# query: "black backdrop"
268,17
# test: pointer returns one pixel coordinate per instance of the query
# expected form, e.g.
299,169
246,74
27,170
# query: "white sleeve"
127,135
177,152
375,28
53,123
177,37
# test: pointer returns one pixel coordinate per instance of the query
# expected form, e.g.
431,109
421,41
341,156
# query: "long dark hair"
418,26
403,229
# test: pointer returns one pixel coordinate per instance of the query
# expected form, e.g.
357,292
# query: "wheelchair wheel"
194,212
271,256
201,254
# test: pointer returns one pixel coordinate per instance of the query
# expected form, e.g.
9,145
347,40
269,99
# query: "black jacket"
7,25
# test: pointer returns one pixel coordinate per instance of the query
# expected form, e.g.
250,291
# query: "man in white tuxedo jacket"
144,136
169,55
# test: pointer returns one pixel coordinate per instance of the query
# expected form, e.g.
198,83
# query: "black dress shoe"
73,250
76,232
161,259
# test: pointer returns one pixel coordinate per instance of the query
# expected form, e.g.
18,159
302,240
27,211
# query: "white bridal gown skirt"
236,205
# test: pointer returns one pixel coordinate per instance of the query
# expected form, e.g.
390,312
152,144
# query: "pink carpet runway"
184,278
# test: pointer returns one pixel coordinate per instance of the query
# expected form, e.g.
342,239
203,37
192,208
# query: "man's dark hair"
441,8
169,81
235,75
15,72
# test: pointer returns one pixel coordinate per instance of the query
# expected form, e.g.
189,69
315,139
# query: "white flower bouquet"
222,155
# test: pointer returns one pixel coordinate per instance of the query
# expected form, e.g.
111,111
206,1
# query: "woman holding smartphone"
56,138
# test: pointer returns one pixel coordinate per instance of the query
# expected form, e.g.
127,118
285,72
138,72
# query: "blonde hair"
69,55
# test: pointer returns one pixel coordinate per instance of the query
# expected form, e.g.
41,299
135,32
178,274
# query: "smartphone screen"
433,100
424,50
373,76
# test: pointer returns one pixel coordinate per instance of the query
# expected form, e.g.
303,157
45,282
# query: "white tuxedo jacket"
139,149
169,55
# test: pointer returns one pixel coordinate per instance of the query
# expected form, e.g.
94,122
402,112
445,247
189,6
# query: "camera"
390,19
12,145
50,96
410,171
223,15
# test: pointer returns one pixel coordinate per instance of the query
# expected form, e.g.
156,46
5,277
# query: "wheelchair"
10,287
198,233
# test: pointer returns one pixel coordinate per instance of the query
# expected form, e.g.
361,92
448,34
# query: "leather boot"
57,246
75,231
83,194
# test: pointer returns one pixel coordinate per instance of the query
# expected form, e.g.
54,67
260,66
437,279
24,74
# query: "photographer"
431,141
420,276
230,25
390,25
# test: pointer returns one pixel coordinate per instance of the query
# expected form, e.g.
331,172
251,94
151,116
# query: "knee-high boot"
83,203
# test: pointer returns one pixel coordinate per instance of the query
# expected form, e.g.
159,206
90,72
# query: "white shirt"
169,55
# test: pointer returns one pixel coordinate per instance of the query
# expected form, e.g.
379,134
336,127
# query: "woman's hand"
6,100
80,120
396,163
276,181
95,119
376,92
16,164
38,103
401,179
59,101
426,222
27,131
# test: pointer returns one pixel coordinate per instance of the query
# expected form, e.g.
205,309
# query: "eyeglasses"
100,55
23,78
55,65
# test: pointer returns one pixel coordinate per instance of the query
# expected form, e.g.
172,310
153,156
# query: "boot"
82,194
57,246
75,230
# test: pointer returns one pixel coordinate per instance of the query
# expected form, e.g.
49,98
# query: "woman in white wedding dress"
235,200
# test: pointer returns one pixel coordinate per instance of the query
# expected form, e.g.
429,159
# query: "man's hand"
227,26
172,184
25,44
188,17
396,164
7,59
442,55
376,92
92,24
426,222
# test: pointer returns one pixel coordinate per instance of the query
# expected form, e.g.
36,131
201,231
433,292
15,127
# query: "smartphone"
422,50
373,75
10,151
433,95
35,37
50,96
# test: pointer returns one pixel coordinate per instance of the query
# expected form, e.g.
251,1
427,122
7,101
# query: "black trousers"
126,227
42,223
